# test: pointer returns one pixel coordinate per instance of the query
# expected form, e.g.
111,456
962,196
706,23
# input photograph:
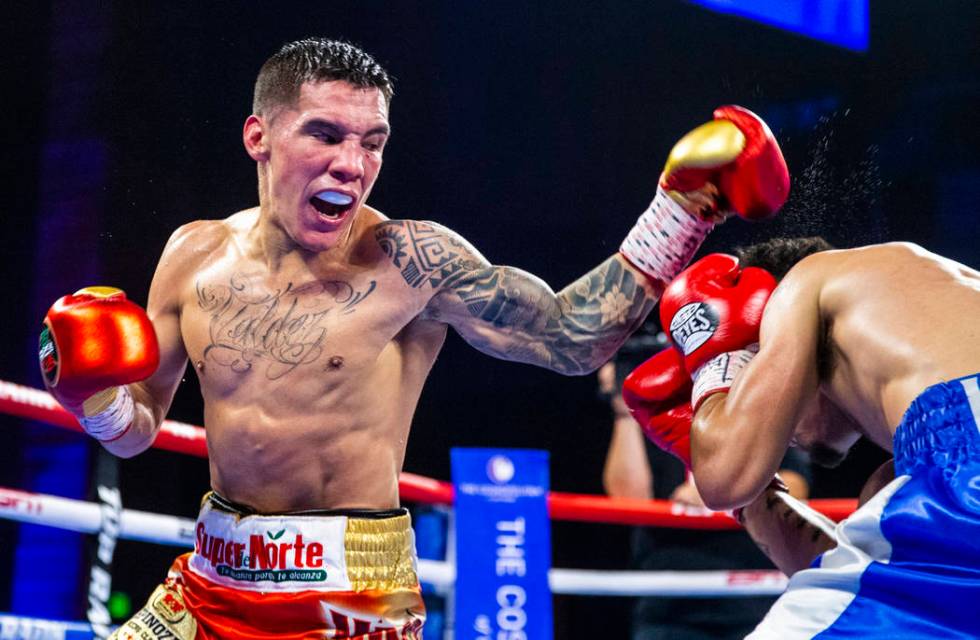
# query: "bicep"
502,311
511,314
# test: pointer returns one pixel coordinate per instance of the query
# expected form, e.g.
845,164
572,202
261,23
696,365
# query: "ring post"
503,544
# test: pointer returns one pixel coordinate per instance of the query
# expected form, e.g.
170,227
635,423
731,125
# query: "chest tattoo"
281,329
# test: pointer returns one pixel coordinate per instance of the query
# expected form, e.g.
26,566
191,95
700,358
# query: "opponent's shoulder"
812,271
803,287
841,267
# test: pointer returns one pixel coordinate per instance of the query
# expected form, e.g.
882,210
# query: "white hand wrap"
664,238
114,420
719,373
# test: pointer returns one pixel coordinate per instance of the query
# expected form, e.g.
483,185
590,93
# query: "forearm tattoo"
278,330
513,315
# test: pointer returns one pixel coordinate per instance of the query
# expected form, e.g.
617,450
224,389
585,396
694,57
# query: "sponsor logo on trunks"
271,557
693,325
170,606
148,626
353,624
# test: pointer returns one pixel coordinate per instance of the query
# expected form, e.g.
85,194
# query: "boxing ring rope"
84,517
18,628
180,437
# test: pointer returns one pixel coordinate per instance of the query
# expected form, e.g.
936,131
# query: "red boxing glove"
713,310
658,394
94,340
743,160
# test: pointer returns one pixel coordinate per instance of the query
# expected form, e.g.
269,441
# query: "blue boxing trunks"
907,563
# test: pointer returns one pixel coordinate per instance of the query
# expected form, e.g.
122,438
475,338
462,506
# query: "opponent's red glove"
713,310
735,152
91,342
658,394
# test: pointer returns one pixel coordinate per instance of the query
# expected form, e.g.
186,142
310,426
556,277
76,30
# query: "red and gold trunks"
345,574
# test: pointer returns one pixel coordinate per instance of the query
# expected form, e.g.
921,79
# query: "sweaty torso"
896,320
310,372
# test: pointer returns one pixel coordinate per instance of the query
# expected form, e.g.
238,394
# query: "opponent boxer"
877,342
313,320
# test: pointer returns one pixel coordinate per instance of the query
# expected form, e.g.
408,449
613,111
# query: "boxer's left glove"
738,155
713,311
92,344
658,394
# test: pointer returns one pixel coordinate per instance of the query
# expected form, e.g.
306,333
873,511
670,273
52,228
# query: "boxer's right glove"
713,311
658,394
737,154
92,344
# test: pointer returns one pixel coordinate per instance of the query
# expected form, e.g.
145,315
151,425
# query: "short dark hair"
315,60
777,256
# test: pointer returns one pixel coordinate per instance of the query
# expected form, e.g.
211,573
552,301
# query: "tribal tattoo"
282,329
511,314
424,255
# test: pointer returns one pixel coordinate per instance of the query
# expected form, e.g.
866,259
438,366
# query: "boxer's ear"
255,137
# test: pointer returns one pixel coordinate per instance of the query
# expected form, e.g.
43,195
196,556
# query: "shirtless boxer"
313,320
877,342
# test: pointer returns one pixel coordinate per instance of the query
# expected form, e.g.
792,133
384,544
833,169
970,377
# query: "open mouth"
332,204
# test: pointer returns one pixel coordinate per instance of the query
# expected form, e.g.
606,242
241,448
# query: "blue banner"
503,544
840,22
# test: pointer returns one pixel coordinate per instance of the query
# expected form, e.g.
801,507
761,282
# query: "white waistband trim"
271,553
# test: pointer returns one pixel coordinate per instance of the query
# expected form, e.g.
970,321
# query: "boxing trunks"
907,563
316,574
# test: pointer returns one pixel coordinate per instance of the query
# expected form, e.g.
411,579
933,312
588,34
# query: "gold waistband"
380,553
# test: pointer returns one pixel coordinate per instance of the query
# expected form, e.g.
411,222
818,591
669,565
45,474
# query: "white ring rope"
84,517
21,628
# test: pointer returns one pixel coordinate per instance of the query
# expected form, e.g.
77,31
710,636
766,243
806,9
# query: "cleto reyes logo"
274,554
693,325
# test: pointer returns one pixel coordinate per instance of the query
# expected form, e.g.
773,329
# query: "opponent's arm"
789,532
738,438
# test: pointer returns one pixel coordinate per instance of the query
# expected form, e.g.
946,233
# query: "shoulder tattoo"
423,254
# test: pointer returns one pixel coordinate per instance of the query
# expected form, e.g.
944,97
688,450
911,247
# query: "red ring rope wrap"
34,404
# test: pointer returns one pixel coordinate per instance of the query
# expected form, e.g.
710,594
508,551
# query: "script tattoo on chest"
281,329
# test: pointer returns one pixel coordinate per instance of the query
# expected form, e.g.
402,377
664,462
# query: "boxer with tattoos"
313,321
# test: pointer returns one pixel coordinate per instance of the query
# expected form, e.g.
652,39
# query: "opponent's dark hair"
315,60
777,256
